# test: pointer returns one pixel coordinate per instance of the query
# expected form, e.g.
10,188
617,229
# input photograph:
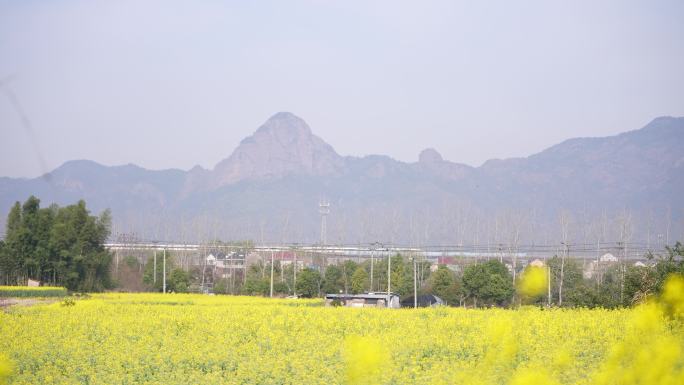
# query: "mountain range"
627,186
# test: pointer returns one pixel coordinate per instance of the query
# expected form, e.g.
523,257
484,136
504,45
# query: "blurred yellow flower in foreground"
673,294
365,360
5,368
533,282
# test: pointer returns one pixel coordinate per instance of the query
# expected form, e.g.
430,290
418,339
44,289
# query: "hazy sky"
176,83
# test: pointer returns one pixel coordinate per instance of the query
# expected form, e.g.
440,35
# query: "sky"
173,84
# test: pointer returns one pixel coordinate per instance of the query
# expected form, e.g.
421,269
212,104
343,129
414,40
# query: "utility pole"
566,253
155,267
548,280
661,246
232,273
164,277
271,273
564,219
621,266
294,275
598,259
371,274
415,284
389,275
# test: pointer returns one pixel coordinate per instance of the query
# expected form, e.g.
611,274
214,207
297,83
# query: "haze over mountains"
627,186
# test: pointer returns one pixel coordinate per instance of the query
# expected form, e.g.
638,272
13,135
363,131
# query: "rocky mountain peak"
429,155
283,145
285,126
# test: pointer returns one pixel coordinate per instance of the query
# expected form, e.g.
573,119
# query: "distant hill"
270,186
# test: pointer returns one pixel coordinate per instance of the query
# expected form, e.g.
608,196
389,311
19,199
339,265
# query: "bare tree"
668,225
564,222
624,223
514,221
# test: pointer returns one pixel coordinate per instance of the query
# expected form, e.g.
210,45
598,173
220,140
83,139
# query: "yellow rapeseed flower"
532,376
189,338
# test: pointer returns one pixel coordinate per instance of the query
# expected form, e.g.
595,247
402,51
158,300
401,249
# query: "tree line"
61,246
64,246
480,284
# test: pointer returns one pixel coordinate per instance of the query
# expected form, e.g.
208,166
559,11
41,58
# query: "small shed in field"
424,300
390,300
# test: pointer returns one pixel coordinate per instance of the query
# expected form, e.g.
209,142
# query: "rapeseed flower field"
198,339
29,291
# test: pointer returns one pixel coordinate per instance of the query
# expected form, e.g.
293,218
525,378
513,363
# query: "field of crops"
31,291
193,339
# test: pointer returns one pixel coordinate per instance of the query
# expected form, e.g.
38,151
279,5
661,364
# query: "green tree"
63,246
332,282
4,264
256,282
28,237
280,287
641,282
444,284
256,286
669,264
11,262
287,284
573,283
79,240
222,286
488,283
348,269
14,218
402,276
498,291
359,280
583,295
178,281
609,289
309,283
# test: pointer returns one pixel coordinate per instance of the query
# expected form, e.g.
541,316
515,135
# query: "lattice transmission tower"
324,210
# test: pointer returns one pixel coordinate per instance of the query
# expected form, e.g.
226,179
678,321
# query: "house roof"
423,300
360,296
